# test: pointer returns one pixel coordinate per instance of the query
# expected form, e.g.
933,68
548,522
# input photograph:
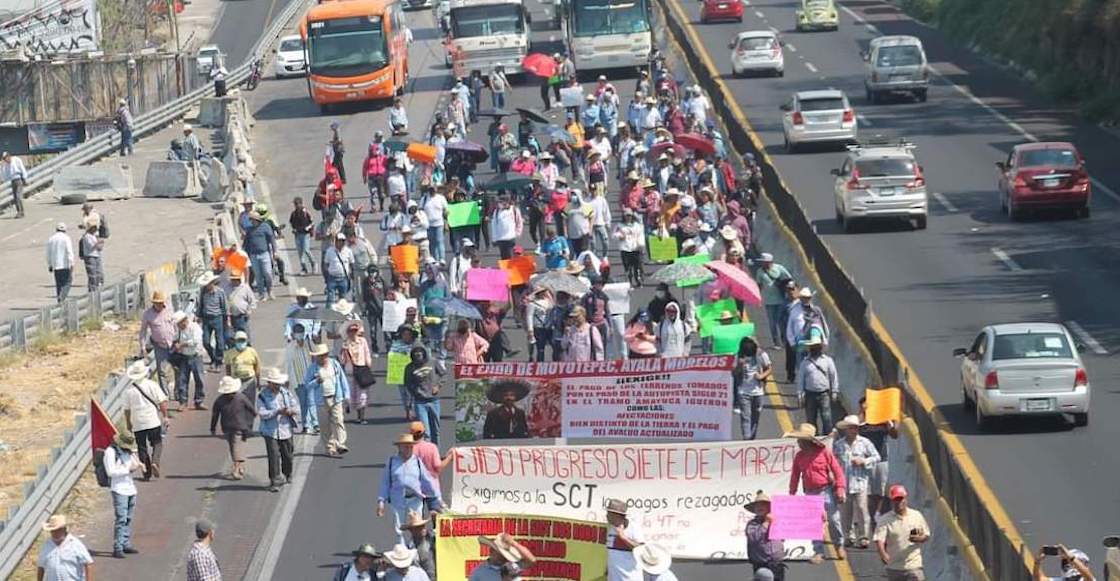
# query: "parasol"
697,143
533,115
509,181
457,307
741,285
469,151
682,271
660,147
559,282
541,65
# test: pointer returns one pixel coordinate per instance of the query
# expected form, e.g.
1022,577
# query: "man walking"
213,310
63,557
899,537
772,279
202,565
242,302
260,244
157,328
338,263
122,120
279,412
327,379
60,260
120,462
817,471
405,485
14,172
187,353
303,225
297,358
146,416
89,250
817,385
858,456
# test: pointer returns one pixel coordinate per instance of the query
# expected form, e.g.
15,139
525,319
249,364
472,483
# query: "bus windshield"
487,20
599,17
347,47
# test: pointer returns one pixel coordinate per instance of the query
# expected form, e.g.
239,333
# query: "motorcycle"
254,76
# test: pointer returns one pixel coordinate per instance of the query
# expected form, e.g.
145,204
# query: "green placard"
709,313
463,214
662,249
394,375
726,338
694,259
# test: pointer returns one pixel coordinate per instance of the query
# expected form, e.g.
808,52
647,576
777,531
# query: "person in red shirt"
631,197
428,453
818,472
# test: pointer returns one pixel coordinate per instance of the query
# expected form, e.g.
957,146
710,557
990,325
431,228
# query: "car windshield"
1048,157
347,47
905,55
817,4
488,20
822,104
756,43
1031,346
881,168
598,17
291,45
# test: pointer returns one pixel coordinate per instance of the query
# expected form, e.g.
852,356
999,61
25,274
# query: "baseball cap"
898,491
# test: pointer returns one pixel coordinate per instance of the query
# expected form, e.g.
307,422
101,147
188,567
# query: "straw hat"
806,432
652,559
229,385
401,556
207,278
616,506
125,440
759,496
137,370
849,421
574,268
728,232
57,521
414,520
405,439
500,545
367,549
320,349
343,307
303,292
159,297
273,375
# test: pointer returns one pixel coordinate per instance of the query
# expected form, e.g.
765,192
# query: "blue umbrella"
457,307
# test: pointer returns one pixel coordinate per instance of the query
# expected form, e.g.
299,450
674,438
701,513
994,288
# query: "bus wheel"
324,109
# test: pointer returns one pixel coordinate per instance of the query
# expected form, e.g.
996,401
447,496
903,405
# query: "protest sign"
565,549
406,258
676,397
571,96
393,313
520,269
662,249
883,405
726,338
394,371
463,214
797,517
688,496
488,284
618,297
709,313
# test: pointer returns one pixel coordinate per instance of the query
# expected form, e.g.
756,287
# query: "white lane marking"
941,199
1086,338
810,66
864,120
759,14
791,48
25,230
1006,260
871,28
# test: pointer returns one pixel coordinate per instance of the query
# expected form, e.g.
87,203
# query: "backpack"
103,227
99,470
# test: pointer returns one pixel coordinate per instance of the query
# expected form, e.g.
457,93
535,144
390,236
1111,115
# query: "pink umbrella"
741,285
696,142
666,147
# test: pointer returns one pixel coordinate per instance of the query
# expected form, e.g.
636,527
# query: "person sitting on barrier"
1074,563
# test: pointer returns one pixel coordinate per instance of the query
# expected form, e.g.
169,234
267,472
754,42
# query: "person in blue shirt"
433,291
555,249
279,411
608,113
406,485
259,244
328,388
589,117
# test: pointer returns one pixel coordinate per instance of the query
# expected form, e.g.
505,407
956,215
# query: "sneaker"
274,488
118,554
343,449
131,551
200,407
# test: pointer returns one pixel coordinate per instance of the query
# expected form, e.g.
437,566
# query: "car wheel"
921,222
983,421
965,400
781,72
324,109
736,72
739,19
1081,420
849,225
72,199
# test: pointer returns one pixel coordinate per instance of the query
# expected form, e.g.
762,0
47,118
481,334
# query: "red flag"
102,431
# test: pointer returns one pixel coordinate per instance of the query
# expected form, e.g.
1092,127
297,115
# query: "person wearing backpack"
120,462
146,417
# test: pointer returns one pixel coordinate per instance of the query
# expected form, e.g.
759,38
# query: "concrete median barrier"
96,183
171,179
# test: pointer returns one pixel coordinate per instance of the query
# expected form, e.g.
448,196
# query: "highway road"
934,289
239,16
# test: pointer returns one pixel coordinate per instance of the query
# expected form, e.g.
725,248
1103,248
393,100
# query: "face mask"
661,294
298,336
240,346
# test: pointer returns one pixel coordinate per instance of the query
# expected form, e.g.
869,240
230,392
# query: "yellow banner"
566,550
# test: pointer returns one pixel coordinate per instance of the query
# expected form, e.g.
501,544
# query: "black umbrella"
533,115
498,113
509,181
317,314
469,151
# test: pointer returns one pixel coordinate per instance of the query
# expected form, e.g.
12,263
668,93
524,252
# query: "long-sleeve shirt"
858,477
406,479
505,224
600,211
297,358
814,469
421,381
338,263
767,277
13,170
817,374
795,325
332,382
119,469
631,236
242,300
583,344
60,251
212,303
414,573
160,325
202,565
467,348
273,423
234,411
90,246
260,239
189,340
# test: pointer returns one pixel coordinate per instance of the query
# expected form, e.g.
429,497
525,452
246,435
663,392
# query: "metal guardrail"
122,299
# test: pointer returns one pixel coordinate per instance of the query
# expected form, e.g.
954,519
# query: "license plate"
1038,405
888,191
1051,182
352,95
721,6
899,77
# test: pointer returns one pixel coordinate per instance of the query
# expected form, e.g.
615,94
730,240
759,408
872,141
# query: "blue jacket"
259,239
342,386
268,410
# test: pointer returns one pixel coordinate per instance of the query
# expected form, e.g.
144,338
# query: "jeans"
126,141
123,507
854,517
400,507
214,336
750,406
237,323
191,366
774,317
433,336
832,516
505,248
407,401
542,336
62,279
602,238
308,418
262,272
819,404
337,287
17,196
427,412
498,100
162,354
154,438
95,275
436,242
303,250
279,459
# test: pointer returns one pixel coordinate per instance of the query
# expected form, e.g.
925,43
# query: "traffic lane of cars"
947,283
237,18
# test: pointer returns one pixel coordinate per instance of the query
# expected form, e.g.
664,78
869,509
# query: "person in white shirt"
146,416
120,462
63,557
13,171
654,561
460,264
623,536
505,227
188,347
631,238
60,261
600,222
435,207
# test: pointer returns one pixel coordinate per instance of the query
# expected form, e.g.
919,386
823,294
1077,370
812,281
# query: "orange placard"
520,268
406,258
883,405
422,152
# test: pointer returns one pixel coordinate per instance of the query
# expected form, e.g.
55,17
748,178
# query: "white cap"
467,243
766,257
805,293
61,227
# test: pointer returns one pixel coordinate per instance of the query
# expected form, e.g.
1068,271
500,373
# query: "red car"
713,10
1044,176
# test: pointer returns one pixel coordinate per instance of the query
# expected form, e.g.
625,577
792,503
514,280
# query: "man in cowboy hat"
818,472
623,535
63,556
202,565
297,358
858,456
764,554
506,420
146,416
279,411
236,412
157,329
419,538
241,361
654,562
504,549
213,312
328,388
818,383
806,320
401,565
242,302
364,565
120,462
899,537
187,359
406,485
770,278
302,303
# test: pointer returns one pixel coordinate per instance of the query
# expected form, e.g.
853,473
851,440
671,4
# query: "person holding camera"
899,537
1074,563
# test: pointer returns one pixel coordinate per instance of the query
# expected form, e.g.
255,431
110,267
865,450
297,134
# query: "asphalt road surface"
239,17
934,289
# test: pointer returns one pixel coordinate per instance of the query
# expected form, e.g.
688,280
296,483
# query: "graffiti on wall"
57,26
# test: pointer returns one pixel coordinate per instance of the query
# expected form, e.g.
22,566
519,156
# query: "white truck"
486,33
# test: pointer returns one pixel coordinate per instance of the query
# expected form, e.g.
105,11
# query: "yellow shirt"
242,364
894,531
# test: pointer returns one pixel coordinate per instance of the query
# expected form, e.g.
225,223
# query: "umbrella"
317,314
559,282
469,151
697,143
559,133
539,64
533,115
666,147
499,113
509,181
422,152
741,285
457,307
681,271
396,145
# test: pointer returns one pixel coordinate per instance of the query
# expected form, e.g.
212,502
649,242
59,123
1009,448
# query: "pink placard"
797,517
488,284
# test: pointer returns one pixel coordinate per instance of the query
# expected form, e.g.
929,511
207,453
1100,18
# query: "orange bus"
356,51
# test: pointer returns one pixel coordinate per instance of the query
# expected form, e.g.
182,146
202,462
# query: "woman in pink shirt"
466,345
582,341
355,353
524,165
640,339
818,472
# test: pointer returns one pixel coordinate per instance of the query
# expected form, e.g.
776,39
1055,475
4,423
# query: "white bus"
486,33
607,34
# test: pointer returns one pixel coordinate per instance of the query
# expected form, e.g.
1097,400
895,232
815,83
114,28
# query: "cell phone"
1049,550
1111,542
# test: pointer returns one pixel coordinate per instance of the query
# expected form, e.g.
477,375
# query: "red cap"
898,491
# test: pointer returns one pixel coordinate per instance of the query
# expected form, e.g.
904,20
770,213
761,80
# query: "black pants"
62,279
219,88
632,261
17,196
497,351
791,363
154,438
340,166
536,226
279,459
544,97
578,245
505,248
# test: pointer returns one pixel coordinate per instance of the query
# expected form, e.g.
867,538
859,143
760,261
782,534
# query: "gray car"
823,116
896,64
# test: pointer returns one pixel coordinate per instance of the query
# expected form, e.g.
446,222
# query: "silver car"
880,179
1024,369
757,51
823,116
896,64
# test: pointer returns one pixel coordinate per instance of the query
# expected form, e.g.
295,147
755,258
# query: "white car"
757,51
209,57
823,116
880,179
289,57
1024,369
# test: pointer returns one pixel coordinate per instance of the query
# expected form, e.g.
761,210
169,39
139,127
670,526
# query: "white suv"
880,179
